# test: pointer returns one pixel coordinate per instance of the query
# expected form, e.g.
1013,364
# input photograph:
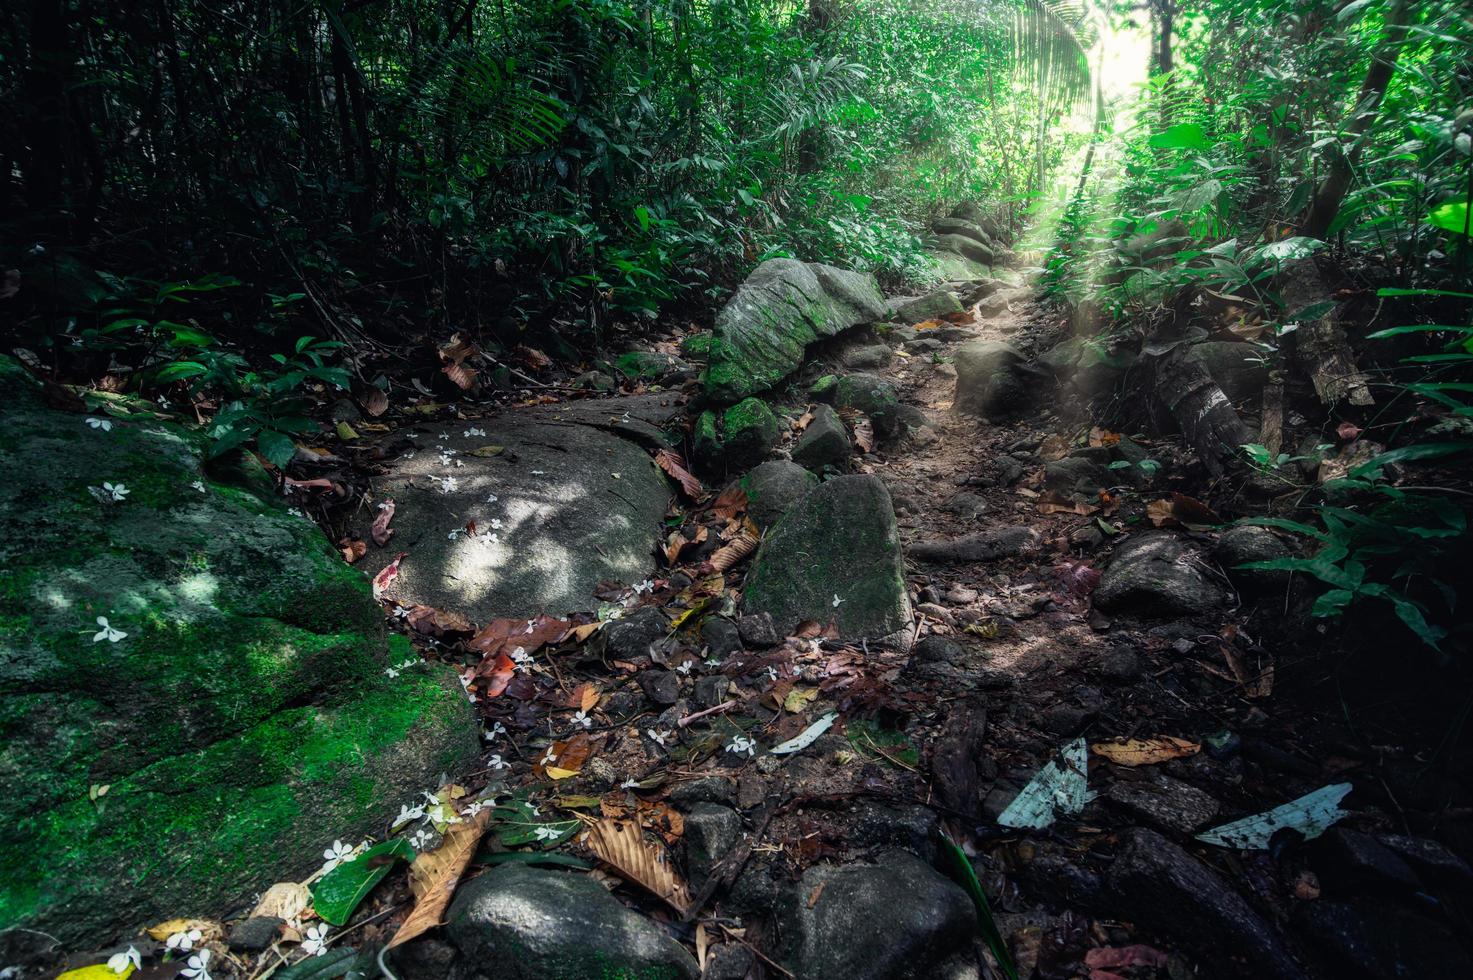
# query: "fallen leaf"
587,696
346,433
493,674
533,358
1181,510
1145,751
731,502
672,464
487,452
381,532
806,737
673,546
729,554
353,550
621,845
799,698
375,402
1079,577
583,632
1348,431
1054,502
283,900
1310,815
505,635
386,576
1255,685
434,875
1103,437
437,622
568,756
1119,957
209,929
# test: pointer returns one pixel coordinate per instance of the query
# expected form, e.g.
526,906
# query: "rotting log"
1201,409
1320,345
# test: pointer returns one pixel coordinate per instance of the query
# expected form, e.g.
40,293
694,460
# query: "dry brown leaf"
381,532
803,421
1054,502
672,464
864,434
1160,513
621,845
728,555
703,946
587,696
283,900
582,633
929,324
673,546
375,402
1181,510
1103,437
1145,751
433,876
733,501
352,550
1256,685
209,929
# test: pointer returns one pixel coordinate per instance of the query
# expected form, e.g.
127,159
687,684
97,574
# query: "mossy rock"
706,443
875,397
751,430
643,365
698,344
773,488
834,557
931,306
243,722
784,306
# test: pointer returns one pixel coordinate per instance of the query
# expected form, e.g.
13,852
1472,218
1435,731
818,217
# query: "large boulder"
967,247
952,266
931,306
834,557
235,705
783,307
773,488
968,229
872,395
893,920
751,431
522,923
561,500
992,379
1157,574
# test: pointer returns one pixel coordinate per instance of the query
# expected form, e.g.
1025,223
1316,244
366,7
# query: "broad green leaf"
329,966
1452,216
179,370
1425,450
1182,136
276,447
341,889
877,742
1289,249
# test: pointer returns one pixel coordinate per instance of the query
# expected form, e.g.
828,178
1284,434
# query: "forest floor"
1192,720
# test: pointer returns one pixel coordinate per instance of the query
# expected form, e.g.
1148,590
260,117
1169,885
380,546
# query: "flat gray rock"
992,379
566,503
1157,574
521,923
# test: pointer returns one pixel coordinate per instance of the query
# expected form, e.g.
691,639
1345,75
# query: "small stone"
1354,860
1249,543
599,774
631,637
1431,860
1165,802
758,630
945,370
967,505
711,690
255,934
706,789
751,791
998,799
936,649
869,357
960,595
1063,719
936,612
1154,574
912,828
1363,938
825,443
1120,665
711,830
721,637
660,686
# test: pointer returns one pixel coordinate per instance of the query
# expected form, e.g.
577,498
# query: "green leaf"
1425,450
341,889
1332,603
1452,216
178,371
1351,10
958,867
1410,613
1389,291
330,965
1289,249
871,739
276,447
516,825
1182,136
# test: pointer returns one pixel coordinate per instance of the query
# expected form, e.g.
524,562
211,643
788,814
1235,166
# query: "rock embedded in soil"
869,357
835,557
773,488
989,545
784,306
1248,543
992,380
241,720
1163,802
1169,892
631,637
749,432
720,637
893,920
523,923
872,395
758,630
660,686
931,306
569,501
711,830
1157,574
824,443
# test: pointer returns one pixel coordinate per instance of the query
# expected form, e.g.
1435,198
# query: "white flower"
549,758
495,524
184,940
458,532
740,744
837,600
108,632
546,833
531,626
712,662
495,762
335,855
490,537
106,426
685,667
496,729
772,673
198,485
401,612
465,684
448,484
659,737
629,784
119,962
581,718
473,431
163,402
420,839
643,587
408,814
198,968
390,672
443,436
316,942
110,493
492,498
539,472
475,808
385,505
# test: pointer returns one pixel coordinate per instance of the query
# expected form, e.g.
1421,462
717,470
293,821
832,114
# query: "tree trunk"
1202,410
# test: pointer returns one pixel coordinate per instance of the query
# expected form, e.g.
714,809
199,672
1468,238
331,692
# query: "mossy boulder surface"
241,723
773,488
834,557
751,431
783,307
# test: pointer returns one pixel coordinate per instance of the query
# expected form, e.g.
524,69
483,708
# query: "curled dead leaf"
381,532
375,402
433,875
352,549
1145,751
210,931
672,464
733,552
621,845
283,900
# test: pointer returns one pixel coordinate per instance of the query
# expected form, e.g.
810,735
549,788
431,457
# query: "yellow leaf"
1145,751
97,971
553,772
486,452
434,874
210,931
345,432
798,698
581,633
